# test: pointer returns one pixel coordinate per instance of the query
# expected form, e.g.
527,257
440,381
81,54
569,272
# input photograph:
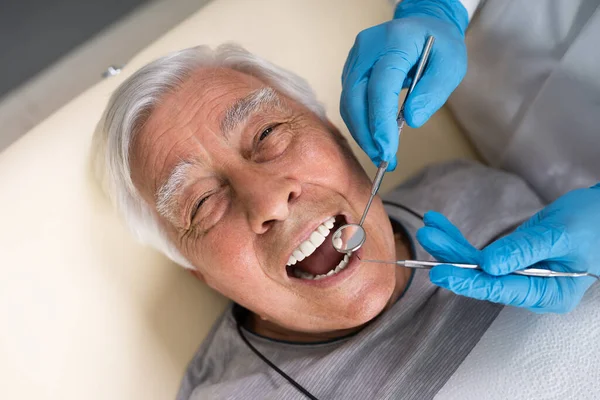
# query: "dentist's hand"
381,63
565,236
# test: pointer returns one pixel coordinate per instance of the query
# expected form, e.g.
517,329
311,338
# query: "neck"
271,330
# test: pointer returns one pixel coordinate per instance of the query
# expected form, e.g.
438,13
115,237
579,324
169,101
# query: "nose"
265,196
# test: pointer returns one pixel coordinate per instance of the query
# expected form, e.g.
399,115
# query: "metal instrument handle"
418,73
431,264
539,272
374,188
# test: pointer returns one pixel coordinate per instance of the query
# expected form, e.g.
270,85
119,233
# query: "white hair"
134,100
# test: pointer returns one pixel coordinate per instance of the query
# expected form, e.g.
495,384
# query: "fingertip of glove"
434,241
417,118
392,164
424,235
417,109
432,217
387,148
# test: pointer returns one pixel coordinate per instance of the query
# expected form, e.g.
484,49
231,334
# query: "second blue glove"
544,244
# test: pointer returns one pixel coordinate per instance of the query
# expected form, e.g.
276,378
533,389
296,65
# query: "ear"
197,274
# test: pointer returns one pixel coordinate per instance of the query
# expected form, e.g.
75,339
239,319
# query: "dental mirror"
350,237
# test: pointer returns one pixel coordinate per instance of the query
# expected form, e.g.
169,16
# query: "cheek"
379,227
324,162
227,260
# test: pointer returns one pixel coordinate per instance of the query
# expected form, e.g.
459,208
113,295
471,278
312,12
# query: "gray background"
36,33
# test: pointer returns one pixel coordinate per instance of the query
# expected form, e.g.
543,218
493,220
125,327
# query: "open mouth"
315,258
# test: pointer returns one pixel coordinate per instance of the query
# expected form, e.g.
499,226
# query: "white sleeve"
471,6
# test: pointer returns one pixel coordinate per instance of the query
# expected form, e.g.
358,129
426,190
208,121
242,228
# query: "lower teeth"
305,275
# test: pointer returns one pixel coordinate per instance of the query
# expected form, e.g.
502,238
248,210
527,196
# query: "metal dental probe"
540,272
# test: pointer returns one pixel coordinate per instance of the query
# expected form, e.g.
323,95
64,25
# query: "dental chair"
87,313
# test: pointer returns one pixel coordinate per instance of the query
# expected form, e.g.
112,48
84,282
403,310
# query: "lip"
335,279
305,234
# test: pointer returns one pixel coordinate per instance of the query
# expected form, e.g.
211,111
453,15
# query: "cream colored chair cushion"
86,313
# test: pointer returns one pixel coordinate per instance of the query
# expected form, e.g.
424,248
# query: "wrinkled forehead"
205,96
204,109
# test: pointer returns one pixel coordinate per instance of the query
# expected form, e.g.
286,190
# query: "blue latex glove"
379,62
565,236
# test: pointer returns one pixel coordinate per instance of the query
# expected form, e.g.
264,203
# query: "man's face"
240,176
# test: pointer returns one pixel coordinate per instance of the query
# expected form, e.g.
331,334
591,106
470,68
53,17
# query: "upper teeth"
309,246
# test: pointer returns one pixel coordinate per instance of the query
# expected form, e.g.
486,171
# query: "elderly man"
229,165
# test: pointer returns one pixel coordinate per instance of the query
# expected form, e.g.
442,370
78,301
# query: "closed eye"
197,206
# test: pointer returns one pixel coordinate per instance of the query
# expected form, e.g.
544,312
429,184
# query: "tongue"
324,259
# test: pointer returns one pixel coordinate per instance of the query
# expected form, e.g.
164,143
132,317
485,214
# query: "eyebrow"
247,106
167,194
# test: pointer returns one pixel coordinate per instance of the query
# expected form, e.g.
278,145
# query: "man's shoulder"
464,178
209,361
458,173
483,201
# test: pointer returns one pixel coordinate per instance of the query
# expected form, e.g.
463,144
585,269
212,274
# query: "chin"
364,308
371,306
